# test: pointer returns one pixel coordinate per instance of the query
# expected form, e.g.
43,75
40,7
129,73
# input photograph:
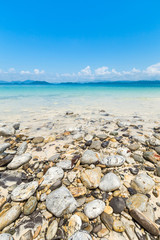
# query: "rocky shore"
80,178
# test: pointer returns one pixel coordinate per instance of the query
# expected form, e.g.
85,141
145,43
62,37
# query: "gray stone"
65,164
157,149
7,159
51,231
54,158
24,191
52,175
142,183
96,145
61,201
6,236
16,126
79,235
109,182
18,161
113,161
37,140
138,201
94,208
9,216
151,156
30,205
22,148
4,146
90,157
138,158
6,131
134,146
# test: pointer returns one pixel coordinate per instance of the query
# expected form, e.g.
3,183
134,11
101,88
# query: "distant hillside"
27,82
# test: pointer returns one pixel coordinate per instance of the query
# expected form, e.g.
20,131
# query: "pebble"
79,235
137,201
78,191
19,160
108,210
4,161
65,164
37,140
113,161
83,217
157,149
107,220
138,158
9,216
145,222
109,182
24,191
61,201
118,226
22,148
134,146
118,204
51,231
74,224
6,131
30,206
27,236
151,156
142,183
124,152
4,146
91,178
90,157
52,175
94,208
158,171
96,145
6,236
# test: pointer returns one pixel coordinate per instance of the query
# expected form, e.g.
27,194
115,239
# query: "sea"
123,98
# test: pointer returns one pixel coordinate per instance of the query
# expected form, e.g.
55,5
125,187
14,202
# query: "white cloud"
37,71
86,71
25,72
135,70
102,71
153,69
11,70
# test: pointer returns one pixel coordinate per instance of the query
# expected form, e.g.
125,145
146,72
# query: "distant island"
125,83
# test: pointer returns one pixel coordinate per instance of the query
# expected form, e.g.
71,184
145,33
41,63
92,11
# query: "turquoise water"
18,98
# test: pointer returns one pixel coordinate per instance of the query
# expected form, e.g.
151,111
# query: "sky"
82,40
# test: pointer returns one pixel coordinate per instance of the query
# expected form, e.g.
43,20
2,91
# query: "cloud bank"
88,74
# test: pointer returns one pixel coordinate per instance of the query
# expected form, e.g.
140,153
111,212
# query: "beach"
80,162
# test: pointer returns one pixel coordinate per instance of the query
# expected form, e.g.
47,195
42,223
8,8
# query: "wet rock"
88,143
6,131
91,178
105,144
151,156
60,201
7,159
74,225
137,201
131,191
157,149
109,182
30,206
145,222
96,145
52,175
16,126
9,216
134,171
79,235
22,148
19,160
134,146
27,236
142,183
37,140
51,231
107,220
90,157
113,161
4,146
24,191
65,164
118,204
6,236
94,208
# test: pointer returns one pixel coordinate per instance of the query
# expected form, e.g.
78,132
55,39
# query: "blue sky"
79,40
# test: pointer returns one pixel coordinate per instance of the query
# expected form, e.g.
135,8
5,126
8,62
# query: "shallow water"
21,101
